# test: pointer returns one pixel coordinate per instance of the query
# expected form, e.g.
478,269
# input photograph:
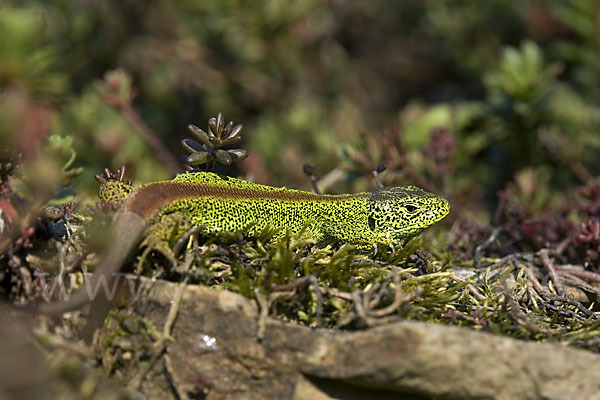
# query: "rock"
295,362
23,373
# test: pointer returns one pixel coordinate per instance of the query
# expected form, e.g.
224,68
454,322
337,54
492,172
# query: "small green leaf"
212,126
200,134
231,140
200,157
192,146
21,188
223,157
220,125
233,132
227,129
237,154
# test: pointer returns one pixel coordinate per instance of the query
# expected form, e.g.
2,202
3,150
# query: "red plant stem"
163,154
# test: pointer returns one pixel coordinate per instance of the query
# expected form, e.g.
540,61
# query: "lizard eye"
411,208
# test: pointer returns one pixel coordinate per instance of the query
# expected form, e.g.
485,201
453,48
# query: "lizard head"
399,213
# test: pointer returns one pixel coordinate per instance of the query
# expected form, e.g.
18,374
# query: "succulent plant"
589,238
591,194
209,148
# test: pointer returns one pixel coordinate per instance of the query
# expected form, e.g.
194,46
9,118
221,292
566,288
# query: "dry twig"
488,242
549,265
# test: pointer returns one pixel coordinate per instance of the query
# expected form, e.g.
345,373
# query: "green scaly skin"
383,216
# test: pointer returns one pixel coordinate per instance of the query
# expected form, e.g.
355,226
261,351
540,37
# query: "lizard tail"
126,233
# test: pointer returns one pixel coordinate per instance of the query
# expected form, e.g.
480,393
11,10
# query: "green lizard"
384,216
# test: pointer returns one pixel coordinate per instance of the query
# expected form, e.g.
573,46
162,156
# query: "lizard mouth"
442,211
439,213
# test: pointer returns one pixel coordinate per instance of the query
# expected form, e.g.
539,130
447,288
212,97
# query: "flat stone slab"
214,346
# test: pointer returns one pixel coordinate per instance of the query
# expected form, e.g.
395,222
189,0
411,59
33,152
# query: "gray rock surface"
419,360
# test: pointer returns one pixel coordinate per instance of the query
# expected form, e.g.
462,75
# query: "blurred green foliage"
515,82
465,99
28,56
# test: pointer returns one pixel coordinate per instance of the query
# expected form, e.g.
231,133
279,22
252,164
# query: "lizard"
387,215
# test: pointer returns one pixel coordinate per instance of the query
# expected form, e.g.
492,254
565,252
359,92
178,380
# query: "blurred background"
493,104
464,98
